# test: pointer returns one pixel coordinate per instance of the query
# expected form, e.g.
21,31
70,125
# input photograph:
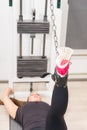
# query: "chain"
54,25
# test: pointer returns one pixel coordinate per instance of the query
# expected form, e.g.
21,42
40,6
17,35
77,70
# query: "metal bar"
32,36
44,44
20,46
20,35
31,86
46,4
44,36
32,46
21,15
20,7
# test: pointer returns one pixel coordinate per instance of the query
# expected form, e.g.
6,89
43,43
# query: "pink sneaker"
63,61
63,69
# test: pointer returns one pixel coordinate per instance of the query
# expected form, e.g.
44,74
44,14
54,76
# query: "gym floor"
76,115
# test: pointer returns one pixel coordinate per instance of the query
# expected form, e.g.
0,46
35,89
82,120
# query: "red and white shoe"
63,60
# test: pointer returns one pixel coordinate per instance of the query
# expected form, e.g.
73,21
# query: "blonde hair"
34,93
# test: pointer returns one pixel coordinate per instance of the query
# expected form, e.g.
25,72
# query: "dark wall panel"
77,24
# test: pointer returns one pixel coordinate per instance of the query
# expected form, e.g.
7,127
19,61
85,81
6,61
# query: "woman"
37,115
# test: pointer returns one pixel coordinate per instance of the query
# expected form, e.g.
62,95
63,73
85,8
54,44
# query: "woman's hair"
33,93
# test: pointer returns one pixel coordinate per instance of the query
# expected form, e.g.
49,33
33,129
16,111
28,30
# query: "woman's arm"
9,104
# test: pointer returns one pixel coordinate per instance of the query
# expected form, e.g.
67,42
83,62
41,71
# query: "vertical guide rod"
20,46
20,7
44,43
21,15
31,86
20,35
33,35
44,36
46,4
32,46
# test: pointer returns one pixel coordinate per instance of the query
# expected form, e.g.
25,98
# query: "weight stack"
31,66
39,27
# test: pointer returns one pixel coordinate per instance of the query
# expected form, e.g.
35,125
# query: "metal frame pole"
21,10
44,36
20,46
46,4
20,35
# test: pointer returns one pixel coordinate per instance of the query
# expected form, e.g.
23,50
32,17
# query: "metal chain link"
54,26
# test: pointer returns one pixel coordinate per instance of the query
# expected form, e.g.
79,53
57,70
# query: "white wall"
64,18
4,40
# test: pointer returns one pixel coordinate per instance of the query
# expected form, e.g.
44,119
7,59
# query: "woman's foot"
58,79
62,64
63,61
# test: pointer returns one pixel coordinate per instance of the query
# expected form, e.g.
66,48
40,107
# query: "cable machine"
36,66
31,66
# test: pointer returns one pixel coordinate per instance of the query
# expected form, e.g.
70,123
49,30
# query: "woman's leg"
55,117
